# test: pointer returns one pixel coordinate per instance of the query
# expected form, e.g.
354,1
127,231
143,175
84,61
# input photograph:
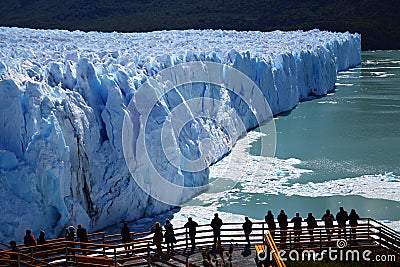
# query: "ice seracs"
63,97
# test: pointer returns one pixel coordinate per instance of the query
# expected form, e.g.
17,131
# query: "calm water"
353,132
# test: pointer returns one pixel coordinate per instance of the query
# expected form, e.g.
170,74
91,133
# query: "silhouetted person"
353,221
191,226
169,236
82,235
14,256
42,238
296,220
283,223
269,219
247,229
328,218
70,237
41,241
29,239
158,235
126,235
311,224
341,218
216,225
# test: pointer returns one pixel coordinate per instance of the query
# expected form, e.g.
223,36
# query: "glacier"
66,96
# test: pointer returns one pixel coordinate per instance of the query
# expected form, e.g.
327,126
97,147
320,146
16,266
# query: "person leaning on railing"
41,241
311,224
328,218
14,256
283,225
296,220
341,218
269,219
353,221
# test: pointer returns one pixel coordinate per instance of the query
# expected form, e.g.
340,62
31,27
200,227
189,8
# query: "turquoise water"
353,132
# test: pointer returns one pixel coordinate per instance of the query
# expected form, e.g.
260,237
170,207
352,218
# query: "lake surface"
351,133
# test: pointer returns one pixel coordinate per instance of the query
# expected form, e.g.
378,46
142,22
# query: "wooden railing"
142,252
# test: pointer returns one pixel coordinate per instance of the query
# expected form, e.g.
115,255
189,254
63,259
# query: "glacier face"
64,96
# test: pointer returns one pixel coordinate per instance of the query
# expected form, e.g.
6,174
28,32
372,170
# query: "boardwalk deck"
107,250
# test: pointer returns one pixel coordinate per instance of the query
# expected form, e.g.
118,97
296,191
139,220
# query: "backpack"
329,219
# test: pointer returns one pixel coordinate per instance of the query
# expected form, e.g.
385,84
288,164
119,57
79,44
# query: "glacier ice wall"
64,96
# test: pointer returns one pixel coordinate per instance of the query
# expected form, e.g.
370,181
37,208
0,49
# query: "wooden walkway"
104,249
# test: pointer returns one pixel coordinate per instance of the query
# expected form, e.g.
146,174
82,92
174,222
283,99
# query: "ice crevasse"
64,96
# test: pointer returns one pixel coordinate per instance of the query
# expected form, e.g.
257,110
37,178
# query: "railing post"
19,259
148,254
263,231
66,252
320,239
115,256
350,235
368,231
187,261
186,238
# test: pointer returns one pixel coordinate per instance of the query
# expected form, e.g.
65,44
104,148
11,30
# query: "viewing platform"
372,239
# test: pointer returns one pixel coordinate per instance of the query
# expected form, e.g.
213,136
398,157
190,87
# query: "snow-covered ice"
64,96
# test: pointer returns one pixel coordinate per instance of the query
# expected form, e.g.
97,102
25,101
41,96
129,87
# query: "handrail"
393,232
369,231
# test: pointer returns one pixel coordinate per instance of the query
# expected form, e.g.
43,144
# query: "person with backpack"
269,219
158,235
169,236
311,224
328,218
216,225
341,218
